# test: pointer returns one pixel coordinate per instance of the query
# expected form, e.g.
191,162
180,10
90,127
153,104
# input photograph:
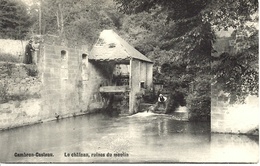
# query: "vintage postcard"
137,81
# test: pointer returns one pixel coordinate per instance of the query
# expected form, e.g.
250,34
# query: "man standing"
28,52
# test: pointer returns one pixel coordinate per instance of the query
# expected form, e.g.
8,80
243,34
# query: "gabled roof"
111,47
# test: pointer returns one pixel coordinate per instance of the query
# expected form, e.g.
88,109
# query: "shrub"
31,70
177,98
149,96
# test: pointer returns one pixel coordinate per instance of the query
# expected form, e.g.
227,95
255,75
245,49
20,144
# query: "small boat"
160,109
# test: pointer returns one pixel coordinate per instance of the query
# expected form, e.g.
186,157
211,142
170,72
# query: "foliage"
31,70
223,14
149,96
14,19
181,40
177,35
80,21
177,99
176,9
237,73
173,66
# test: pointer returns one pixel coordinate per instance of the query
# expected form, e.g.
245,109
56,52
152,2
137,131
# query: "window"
112,45
84,56
142,85
64,64
84,69
63,54
122,70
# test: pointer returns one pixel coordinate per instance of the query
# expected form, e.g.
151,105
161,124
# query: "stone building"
127,70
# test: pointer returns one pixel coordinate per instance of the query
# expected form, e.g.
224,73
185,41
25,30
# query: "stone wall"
60,73
70,83
236,118
13,47
97,75
20,92
18,81
62,84
134,85
141,73
149,74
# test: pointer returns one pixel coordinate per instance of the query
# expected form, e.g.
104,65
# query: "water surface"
143,137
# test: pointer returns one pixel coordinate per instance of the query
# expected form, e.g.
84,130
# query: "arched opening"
84,70
64,64
63,54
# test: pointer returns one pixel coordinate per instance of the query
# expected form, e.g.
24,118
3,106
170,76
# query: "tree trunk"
58,21
61,20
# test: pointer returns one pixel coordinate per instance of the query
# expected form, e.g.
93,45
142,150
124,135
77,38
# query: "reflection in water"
143,137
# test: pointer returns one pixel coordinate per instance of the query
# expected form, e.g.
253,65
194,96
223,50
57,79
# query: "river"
143,137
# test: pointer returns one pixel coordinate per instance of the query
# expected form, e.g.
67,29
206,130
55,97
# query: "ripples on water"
144,137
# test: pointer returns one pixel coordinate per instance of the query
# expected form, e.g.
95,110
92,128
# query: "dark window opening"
112,45
63,54
142,84
84,56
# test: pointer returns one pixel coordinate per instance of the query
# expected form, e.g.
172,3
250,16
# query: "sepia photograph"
129,81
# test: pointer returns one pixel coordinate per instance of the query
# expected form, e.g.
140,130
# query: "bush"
31,70
149,96
177,98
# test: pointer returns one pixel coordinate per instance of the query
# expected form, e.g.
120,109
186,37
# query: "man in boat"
161,100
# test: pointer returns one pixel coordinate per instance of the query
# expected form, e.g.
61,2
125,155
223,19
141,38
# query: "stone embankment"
20,90
235,118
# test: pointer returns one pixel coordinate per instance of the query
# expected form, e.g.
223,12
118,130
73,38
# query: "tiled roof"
111,47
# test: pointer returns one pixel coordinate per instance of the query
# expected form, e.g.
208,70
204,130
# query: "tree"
14,19
80,21
187,37
237,72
